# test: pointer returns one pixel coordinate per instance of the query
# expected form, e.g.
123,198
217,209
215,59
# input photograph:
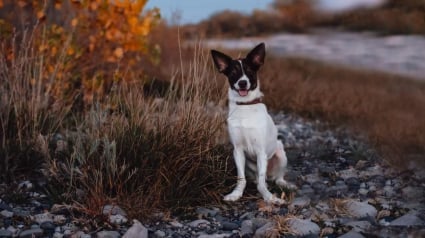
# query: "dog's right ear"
221,60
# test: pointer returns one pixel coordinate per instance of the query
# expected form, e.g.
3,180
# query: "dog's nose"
242,84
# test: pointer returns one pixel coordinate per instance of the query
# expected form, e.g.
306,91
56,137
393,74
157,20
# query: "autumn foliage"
84,44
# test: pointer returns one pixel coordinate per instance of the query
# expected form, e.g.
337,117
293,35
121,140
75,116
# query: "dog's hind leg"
239,157
279,171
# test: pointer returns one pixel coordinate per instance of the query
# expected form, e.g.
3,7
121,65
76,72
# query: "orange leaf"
74,22
119,52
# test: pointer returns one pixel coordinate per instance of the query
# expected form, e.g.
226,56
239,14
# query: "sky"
193,11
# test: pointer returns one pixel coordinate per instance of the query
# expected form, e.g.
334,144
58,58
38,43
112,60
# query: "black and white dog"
251,129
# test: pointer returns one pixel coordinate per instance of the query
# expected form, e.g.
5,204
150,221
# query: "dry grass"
387,108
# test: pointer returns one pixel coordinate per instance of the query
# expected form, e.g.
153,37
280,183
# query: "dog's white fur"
254,138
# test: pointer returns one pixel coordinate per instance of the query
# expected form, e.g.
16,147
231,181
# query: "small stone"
303,227
359,226
176,224
413,193
319,187
48,226
351,234
159,233
25,185
299,202
43,217
6,214
113,210
117,219
247,228
5,233
408,220
31,233
197,223
353,183
136,230
229,226
108,234
58,235
59,219
205,212
259,222
264,230
360,209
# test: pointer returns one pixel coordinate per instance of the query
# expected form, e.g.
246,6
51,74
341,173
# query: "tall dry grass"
141,152
388,109
26,108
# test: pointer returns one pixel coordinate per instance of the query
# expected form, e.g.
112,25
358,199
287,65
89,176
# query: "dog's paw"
283,184
234,196
274,200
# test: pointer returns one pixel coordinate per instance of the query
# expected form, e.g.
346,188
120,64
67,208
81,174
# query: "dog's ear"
221,60
256,56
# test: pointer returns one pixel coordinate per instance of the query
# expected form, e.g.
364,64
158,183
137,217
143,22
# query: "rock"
408,220
197,223
359,226
247,228
351,234
59,219
159,234
303,227
6,214
229,226
264,231
306,190
353,183
176,224
259,222
27,185
214,236
137,230
319,187
413,193
113,210
43,217
48,227
359,209
205,212
108,234
299,202
117,219
5,233
31,233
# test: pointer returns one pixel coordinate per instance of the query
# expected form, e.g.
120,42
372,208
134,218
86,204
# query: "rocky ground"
344,190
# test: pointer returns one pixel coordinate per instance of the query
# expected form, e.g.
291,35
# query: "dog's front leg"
262,186
239,157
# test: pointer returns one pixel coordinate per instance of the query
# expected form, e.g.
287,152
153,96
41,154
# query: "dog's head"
242,73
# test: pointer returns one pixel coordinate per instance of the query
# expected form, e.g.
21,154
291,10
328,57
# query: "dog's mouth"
243,92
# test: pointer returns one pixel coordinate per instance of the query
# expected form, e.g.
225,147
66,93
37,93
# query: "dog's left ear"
256,56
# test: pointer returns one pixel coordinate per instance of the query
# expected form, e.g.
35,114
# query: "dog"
257,151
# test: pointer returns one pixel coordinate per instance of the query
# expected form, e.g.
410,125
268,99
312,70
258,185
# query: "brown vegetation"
394,17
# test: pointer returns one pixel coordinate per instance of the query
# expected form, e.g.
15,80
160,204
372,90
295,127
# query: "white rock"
113,210
6,214
43,217
264,231
303,227
117,219
408,220
137,230
359,226
299,202
351,234
247,227
198,223
214,236
176,224
106,234
360,209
